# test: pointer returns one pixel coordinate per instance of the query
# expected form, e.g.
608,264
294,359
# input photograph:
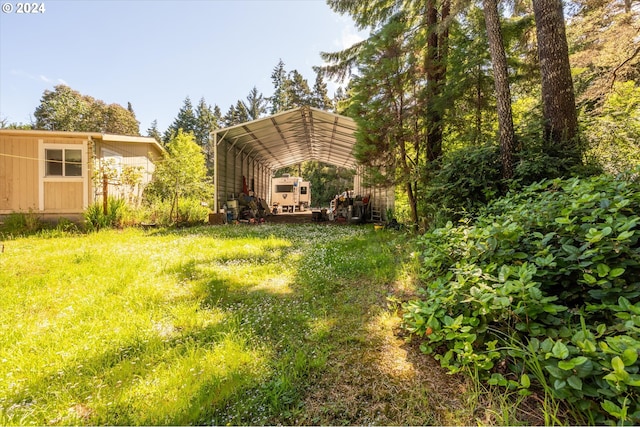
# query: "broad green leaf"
617,364
555,371
546,345
575,382
560,351
568,365
616,272
589,278
625,235
585,369
603,270
570,249
559,384
535,293
611,408
629,356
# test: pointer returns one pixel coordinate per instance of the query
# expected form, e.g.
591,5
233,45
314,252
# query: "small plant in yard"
545,283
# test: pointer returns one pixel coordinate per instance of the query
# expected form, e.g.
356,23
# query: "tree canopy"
65,109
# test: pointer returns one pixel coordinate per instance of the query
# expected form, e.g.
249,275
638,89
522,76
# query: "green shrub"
466,180
548,281
190,212
22,223
95,217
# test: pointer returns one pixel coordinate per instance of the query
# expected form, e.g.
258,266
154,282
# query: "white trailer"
290,193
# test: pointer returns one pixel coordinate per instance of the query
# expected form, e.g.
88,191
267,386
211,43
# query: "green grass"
222,325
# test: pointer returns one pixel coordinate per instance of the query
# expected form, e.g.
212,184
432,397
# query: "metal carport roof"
293,136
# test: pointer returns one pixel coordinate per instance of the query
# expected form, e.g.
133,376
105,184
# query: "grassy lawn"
226,325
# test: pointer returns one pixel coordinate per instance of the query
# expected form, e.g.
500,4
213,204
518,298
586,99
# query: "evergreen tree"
319,97
435,62
229,118
427,26
237,114
470,118
153,131
279,97
298,91
255,105
558,99
205,124
387,105
503,92
241,113
185,120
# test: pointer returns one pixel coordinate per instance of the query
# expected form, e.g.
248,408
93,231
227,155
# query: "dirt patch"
384,381
305,217
290,218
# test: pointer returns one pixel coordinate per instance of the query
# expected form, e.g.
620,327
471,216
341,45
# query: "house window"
303,190
63,162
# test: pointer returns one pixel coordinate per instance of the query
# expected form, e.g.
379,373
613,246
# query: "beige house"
58,174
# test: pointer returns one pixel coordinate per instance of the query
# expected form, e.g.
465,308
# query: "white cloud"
45,79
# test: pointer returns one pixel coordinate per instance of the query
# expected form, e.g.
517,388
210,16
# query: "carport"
247,155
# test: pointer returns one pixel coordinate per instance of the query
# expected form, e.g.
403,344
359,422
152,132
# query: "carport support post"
215,171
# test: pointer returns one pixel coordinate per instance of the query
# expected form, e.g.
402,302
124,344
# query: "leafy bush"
466,180
470,178
190,212
22,223
548,281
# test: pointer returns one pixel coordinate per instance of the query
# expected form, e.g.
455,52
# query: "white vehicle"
290,193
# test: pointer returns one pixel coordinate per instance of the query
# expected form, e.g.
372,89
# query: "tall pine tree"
255,105
185,120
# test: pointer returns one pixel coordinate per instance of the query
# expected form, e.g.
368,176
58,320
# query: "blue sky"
156,53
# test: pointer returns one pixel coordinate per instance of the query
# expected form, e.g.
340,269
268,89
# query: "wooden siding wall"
232,164
63,197
20,180
133,154
18,174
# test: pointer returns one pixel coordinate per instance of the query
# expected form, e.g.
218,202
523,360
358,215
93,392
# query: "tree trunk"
437,45
558,99
501,80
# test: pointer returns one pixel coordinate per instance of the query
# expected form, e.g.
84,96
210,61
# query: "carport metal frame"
281,140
